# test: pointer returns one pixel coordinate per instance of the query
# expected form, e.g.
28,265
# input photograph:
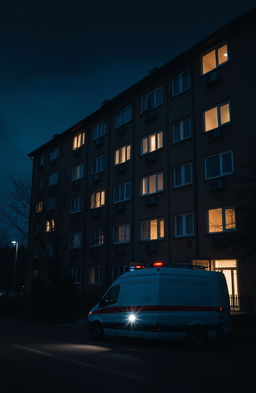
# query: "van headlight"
132,318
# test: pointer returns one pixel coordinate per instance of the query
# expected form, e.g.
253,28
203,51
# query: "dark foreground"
40,358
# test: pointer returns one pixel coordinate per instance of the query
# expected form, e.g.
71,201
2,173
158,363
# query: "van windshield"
110,297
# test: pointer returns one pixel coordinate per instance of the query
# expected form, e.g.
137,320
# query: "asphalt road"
42,358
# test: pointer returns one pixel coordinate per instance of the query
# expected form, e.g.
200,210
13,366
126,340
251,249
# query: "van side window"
110,297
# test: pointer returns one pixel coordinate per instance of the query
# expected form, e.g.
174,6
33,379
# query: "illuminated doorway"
229,268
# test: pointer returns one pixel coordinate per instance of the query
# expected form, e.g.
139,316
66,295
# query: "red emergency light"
158,264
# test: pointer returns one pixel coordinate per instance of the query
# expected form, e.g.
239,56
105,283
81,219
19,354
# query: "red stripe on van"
119,309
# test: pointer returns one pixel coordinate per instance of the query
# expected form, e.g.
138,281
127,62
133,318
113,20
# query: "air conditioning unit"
96,177
150,157
215,134
151,114
98,142
151,201
120,168
211,78
121,130
119,207
151,247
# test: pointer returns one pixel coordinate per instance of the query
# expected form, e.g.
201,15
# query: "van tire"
196,338
97,330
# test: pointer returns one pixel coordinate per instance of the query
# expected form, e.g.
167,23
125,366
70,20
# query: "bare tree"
15,204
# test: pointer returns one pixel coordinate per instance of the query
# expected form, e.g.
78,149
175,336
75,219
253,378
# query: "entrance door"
229,268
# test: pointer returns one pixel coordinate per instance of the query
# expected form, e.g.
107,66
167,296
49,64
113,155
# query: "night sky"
60,60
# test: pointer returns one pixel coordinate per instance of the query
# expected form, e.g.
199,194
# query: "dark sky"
59,60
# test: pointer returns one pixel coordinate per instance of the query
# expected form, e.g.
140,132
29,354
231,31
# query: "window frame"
127,230
98,164
221,165
147,178
220,125
126,119
76,205
98,132
126,185
98,271
128,147
78,140
184,224
102,197
215,49
74,172
147,138
54,154
148,223
50,225
181,130
149,105
180,78
223,220
53,179
73,239
98,231
182,167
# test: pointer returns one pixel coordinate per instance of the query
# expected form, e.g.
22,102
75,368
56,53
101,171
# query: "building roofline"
240,20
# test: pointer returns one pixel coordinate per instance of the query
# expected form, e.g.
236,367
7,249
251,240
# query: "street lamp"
16,245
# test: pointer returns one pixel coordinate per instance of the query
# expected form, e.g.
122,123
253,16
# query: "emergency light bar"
142,266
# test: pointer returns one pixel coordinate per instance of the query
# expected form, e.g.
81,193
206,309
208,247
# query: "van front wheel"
97,330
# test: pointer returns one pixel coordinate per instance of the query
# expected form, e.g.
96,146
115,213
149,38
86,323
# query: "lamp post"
16,245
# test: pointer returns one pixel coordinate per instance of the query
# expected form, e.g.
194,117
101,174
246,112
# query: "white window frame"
99,130
182,89
220,155
77,172
118,154
218,107
146,179
146,140
76,205
181,130
122,188
215,49
183,181
148,224
53,179
98,164
151,100
96,237
185,233
78,140
223,219
127,233
123,116
94,197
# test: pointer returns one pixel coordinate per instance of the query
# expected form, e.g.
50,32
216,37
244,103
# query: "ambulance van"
166,303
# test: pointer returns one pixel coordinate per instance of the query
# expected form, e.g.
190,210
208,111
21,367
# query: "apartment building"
154,174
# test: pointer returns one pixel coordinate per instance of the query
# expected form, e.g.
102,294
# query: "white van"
164,302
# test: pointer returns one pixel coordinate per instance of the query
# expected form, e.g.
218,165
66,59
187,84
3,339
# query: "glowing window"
50,225
78,140
214,58
152,142
123,154
152,229
152,184
217,116
121,233
221,220
97,199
